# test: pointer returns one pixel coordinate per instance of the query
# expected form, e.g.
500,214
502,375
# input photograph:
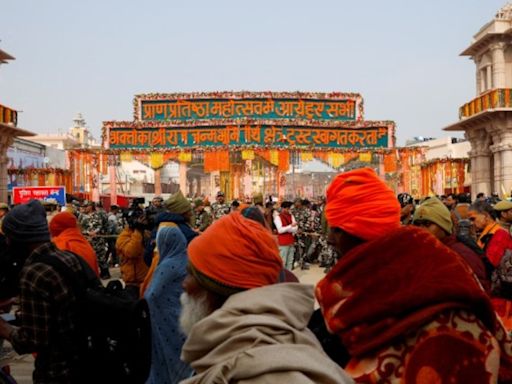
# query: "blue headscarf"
163,217
163,297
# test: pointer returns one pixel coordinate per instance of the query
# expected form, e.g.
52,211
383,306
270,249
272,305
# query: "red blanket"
386,289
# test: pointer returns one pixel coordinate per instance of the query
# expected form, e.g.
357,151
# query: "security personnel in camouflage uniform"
302,215
315,227
94,225
202,218
327,254
219,208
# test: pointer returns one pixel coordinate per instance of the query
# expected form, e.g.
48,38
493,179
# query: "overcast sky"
94,56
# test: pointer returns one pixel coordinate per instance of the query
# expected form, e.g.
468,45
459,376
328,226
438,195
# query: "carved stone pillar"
498,65
506,163
496,148
478,78
497,169
480,161
489,78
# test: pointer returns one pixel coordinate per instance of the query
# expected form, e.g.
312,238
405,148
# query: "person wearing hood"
48,301
235,333
163,298
67,236
178,214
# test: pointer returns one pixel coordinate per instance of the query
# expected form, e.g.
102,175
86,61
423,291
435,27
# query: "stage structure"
247,142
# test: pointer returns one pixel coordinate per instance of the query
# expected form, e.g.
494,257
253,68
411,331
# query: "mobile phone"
9,317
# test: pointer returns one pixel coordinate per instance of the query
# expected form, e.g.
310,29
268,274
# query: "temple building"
487,119
78,136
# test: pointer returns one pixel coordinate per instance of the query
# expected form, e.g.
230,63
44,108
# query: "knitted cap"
27,223
435,211
178,204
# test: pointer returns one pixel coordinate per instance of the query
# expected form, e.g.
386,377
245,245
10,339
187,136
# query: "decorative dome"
505,13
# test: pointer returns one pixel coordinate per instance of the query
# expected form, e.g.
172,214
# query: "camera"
132,216
137,219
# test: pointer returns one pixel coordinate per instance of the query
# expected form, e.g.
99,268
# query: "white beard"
193,309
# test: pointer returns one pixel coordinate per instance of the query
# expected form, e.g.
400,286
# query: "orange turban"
360,203
235,254
62,221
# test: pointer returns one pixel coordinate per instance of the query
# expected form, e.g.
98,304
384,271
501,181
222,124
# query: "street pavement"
22,366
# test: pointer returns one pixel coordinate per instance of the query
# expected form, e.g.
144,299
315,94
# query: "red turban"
62,221
360,203
234,254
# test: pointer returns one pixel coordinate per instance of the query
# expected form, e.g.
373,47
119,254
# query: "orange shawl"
72,240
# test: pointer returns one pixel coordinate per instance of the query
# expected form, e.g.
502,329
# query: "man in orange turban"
361,204
242,326
403,307
67,236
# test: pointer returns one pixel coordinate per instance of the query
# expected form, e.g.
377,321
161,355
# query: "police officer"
220,208
94,226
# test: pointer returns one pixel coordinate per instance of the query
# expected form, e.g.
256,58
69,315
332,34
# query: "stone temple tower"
80,132
487,119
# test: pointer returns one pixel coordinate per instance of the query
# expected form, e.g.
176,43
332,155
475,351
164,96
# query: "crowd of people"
415,291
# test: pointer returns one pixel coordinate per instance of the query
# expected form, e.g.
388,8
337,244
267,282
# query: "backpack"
463,226
113,336
501,277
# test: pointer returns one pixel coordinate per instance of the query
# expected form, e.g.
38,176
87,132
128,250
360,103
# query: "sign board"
22,195
250,135
217,109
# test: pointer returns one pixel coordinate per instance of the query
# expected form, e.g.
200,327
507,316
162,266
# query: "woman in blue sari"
163,297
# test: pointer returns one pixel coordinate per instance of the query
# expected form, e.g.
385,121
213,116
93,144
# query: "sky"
93,56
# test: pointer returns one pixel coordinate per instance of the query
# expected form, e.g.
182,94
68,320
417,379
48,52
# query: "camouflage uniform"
315,225
219,210
328,256
303,217
116,224
202,220
97,222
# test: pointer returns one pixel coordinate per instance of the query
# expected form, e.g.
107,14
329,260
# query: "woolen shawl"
163,297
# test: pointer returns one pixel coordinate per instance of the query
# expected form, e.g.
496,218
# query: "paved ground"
22,366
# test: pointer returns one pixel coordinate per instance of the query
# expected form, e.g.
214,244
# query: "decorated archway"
244,142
